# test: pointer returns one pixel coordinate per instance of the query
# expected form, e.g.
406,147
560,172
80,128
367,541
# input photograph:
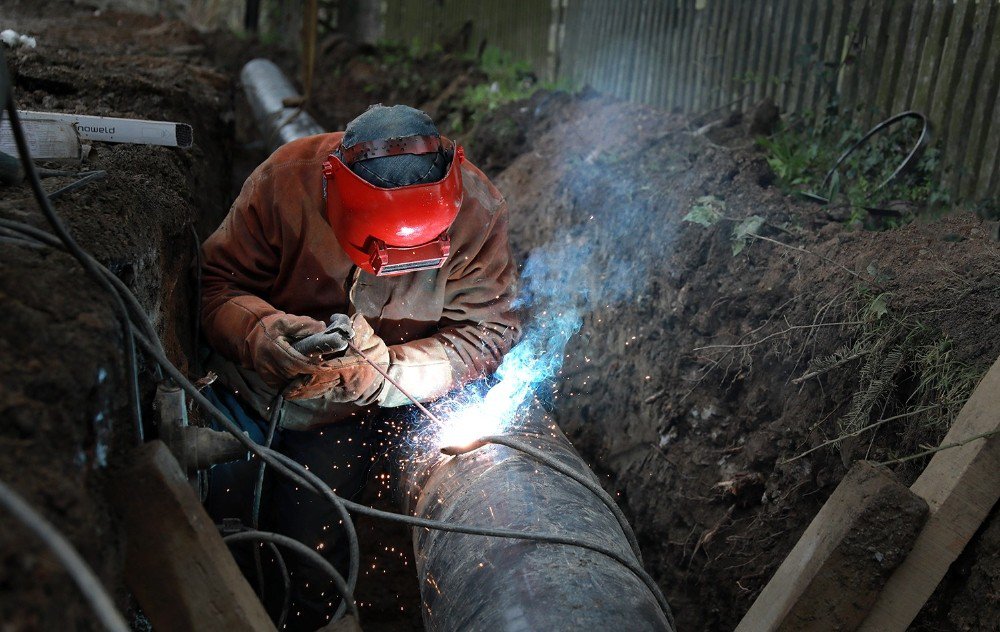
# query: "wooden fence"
879,57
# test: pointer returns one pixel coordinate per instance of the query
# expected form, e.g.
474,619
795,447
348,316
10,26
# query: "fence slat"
910,66
985,133
963,96
879,56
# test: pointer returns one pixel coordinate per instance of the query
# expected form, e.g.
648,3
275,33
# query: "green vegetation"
506,79
805,148
906,372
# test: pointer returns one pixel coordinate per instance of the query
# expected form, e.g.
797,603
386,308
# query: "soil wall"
62,388
687,391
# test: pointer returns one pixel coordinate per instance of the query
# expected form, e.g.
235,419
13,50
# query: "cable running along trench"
138,328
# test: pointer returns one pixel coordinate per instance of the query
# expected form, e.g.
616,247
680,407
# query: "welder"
388,227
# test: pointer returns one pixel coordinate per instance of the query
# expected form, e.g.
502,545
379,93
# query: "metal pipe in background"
268,90
471,582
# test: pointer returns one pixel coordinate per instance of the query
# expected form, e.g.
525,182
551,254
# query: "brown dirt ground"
695,437
665,442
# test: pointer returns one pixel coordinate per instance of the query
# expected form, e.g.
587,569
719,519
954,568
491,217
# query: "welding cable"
287,467
48,239
70,559
307,479
85,260
306,552
297,473
73,186
515,443
277,408
286,582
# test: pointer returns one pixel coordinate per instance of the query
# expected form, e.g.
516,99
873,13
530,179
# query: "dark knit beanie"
379,122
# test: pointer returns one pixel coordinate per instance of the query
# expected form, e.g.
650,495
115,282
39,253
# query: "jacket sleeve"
241,260
478,323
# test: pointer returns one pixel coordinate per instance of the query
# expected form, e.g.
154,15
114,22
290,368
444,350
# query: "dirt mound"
695,393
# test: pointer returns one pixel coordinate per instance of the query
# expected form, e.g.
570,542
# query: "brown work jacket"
275,252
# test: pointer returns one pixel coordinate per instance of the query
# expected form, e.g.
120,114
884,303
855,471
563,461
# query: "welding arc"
304,551
84,578
515,443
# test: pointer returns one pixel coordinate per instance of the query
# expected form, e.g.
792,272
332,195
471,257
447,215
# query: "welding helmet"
393,188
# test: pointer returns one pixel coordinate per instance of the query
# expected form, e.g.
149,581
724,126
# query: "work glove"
350,378
271,352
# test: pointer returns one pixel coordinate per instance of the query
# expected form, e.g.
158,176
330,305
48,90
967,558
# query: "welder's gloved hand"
350,378
271,352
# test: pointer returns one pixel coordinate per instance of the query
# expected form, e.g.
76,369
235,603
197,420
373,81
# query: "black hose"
306,552
277,408
84,578
922,141
73,186
85,260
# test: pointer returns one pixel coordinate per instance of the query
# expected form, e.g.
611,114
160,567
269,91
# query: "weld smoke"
602,261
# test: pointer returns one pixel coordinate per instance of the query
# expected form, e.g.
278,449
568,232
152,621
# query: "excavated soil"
681,394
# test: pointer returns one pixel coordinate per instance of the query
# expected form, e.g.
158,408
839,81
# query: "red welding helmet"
390,231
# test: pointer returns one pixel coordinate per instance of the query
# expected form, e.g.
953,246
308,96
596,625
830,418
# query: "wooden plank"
753,53
722,44
831,577
892,58
654,70
687,33
176,564
706,86
986,125
823,15
792,48
803,71
697,54
950,69
961,485
833,56
664,44
930,56
871,69
778,50
766,27
969,68
908,71
847,82
734,53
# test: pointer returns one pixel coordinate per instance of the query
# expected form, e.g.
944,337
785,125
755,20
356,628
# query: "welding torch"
336,338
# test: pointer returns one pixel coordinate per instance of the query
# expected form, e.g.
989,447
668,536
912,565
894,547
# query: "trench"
662,416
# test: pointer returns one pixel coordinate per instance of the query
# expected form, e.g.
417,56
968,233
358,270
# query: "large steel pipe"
470,582
268,91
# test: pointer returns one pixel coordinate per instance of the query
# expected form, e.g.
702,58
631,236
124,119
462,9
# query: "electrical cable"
307,479
286,581
73,186
277,409
88,265
306,552
515,443
70,559
283,464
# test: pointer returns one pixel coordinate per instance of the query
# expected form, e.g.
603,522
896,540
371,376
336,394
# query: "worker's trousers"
341,455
